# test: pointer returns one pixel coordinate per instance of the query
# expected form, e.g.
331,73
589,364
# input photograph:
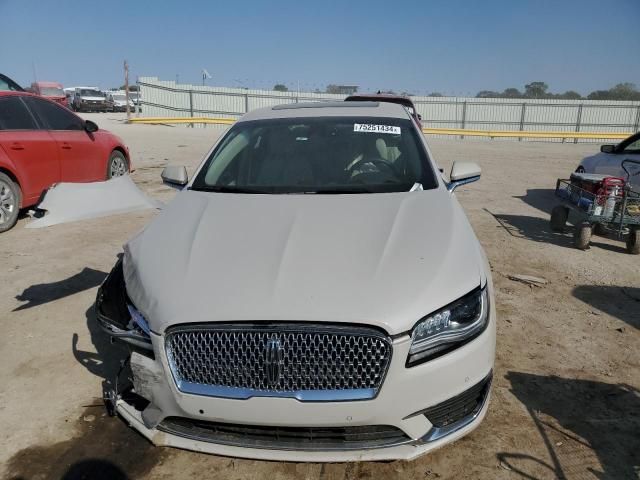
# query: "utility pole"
126,89
205,75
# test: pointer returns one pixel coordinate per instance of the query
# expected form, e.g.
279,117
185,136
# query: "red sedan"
51,90
42,143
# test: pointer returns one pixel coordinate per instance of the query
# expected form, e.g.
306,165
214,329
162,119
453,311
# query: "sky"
453,47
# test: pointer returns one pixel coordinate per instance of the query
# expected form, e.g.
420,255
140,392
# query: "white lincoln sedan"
314,293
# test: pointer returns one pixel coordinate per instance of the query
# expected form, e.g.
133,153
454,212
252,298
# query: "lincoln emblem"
273,360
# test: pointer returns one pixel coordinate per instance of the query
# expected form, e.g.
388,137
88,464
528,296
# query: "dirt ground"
565,403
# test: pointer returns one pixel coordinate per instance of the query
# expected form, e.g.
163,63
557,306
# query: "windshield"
319,155
85,92
51,92
119,98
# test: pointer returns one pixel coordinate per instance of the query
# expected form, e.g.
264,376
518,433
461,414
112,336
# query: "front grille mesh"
290,438
312,359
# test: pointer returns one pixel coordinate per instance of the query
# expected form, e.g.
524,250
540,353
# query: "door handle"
66,146
16,146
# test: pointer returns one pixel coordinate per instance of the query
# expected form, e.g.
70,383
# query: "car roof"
13,93
47,84
328,109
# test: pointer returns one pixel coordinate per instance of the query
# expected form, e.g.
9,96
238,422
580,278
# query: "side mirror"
463,173
90,126
607,148
175,176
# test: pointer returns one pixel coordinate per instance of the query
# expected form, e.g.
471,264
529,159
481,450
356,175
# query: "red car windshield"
51,92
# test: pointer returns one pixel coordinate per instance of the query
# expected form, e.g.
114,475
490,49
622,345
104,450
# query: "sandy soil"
565,401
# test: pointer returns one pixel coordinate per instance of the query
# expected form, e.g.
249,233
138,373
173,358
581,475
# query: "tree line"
621,91
331,88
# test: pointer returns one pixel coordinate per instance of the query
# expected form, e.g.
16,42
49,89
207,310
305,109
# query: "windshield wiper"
285,191
228,189
232,189
338,191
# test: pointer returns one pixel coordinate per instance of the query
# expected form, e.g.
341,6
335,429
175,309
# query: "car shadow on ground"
48,292
108,360
612,247
102,447
533,228
588,428
539,230
93,469
542,199
620,302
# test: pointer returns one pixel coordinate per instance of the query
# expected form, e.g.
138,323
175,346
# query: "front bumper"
92,105
400,403
405,451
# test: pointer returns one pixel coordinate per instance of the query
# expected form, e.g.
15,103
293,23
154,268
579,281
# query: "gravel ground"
565,401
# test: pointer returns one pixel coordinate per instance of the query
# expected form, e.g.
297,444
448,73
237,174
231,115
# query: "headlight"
117,316
449,327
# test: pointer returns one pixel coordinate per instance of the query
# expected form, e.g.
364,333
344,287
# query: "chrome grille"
308,362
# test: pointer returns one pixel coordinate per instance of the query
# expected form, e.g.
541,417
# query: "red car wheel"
117,165
10,197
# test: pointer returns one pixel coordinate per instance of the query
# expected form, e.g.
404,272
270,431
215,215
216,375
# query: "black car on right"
389,98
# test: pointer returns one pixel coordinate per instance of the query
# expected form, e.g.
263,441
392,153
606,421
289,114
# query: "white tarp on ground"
68,202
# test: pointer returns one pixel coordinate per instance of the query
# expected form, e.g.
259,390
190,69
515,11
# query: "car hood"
380,259
592,159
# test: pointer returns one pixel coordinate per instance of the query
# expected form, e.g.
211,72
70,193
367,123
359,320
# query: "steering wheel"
376,161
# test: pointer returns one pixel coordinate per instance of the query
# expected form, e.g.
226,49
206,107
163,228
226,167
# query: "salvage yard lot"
565,402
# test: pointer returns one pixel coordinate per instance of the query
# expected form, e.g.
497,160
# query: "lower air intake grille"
286,438
467,403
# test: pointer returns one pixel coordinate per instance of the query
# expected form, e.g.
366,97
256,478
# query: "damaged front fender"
117,316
